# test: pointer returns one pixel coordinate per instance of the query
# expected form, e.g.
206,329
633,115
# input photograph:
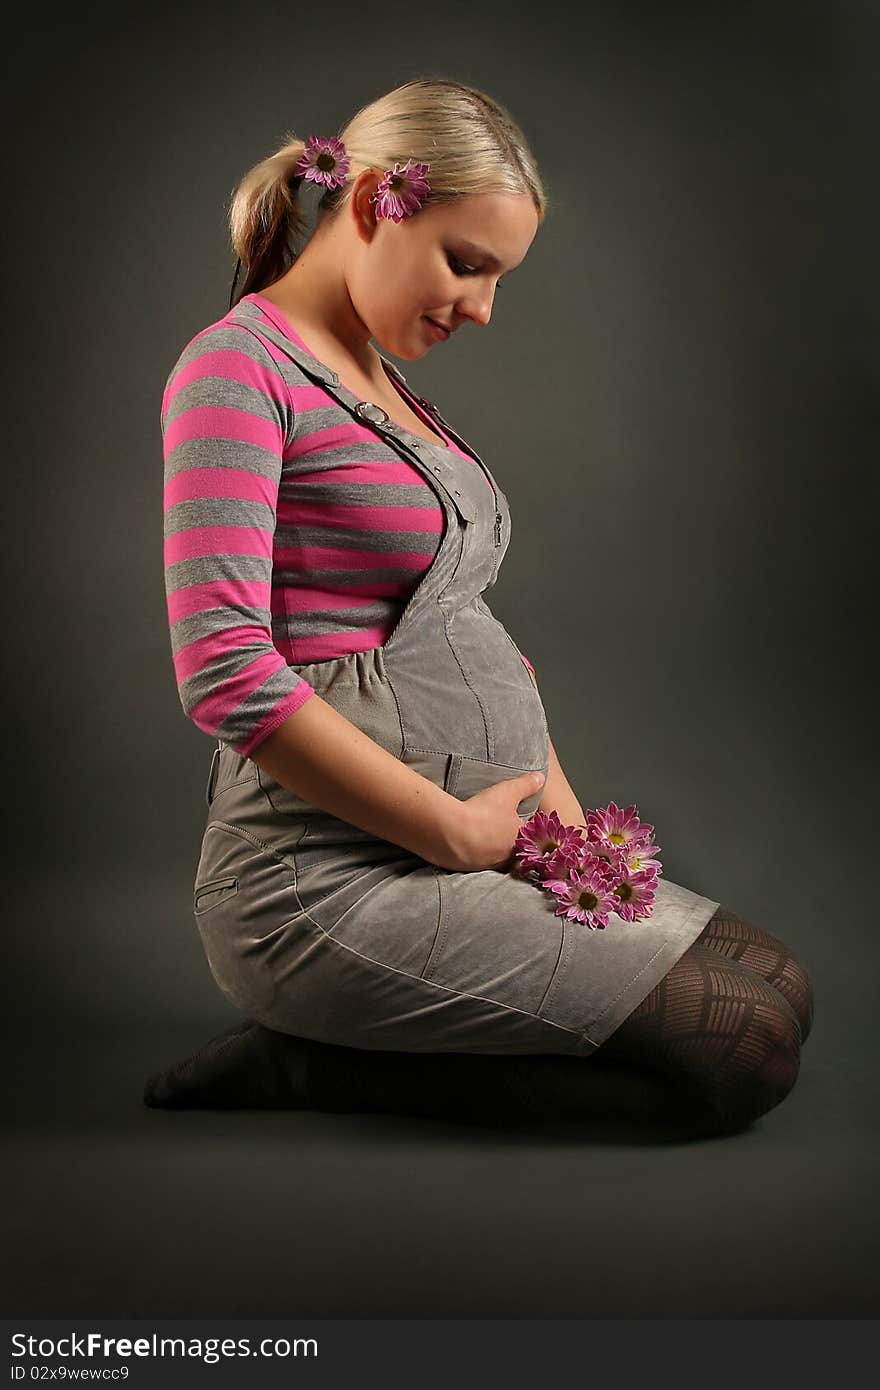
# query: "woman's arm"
558,795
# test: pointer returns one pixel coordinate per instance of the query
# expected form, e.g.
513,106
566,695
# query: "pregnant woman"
329,542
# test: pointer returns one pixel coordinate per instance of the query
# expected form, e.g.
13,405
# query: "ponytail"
266,220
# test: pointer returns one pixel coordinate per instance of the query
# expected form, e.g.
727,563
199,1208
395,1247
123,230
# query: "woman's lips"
441,332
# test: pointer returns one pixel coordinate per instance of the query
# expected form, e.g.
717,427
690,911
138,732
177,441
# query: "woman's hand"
481,834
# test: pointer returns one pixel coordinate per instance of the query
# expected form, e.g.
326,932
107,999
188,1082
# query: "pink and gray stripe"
293,533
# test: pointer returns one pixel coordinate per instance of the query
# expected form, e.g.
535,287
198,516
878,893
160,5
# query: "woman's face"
441,263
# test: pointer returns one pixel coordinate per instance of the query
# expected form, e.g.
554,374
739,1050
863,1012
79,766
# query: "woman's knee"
726,1039
737,938
794,983
757,1060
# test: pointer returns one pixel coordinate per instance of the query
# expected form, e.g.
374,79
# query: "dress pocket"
247,913
463,777
214,892
471,775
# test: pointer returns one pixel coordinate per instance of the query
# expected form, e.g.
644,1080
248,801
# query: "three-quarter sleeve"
226,417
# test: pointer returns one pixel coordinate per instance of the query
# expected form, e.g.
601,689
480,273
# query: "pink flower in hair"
402,190
324,161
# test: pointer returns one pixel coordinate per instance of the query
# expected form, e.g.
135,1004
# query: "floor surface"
126,1211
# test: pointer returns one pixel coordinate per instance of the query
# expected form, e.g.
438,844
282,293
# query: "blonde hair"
472,143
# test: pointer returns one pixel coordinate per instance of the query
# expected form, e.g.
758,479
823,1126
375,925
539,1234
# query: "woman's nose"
478,306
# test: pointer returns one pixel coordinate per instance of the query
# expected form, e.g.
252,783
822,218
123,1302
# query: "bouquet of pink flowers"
614,867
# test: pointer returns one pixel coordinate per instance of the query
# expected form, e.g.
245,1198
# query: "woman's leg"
765,955
727,1041
249,1066
713,1046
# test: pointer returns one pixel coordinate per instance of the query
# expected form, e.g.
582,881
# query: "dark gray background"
675,391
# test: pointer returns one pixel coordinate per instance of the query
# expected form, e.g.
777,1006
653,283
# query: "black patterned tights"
714,1045
726,1024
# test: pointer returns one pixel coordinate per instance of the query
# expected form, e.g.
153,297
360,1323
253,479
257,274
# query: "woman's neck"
314,297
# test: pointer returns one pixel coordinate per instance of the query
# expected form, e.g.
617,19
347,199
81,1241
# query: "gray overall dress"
317,928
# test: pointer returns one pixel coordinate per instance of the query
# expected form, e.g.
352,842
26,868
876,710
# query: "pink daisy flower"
324,161
635,894
615,869
542,835
585,896
615,826
610,858
402,190
556,864
641,854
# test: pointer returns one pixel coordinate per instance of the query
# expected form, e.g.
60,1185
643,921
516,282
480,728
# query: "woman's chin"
407,352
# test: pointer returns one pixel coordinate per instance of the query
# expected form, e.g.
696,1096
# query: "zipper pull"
497,528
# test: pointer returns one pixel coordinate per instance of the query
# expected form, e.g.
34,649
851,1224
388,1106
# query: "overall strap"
310,365
363,411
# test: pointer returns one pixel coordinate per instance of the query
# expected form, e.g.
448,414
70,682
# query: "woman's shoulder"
231,333
228,363
237,345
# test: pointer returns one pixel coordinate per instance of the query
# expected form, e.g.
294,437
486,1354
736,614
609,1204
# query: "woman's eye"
459,268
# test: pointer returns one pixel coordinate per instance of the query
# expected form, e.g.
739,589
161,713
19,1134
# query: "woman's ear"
363,211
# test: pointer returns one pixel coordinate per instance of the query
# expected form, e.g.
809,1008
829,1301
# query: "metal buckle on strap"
374,413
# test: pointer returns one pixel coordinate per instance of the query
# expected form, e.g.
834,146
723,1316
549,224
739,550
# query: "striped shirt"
293,533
